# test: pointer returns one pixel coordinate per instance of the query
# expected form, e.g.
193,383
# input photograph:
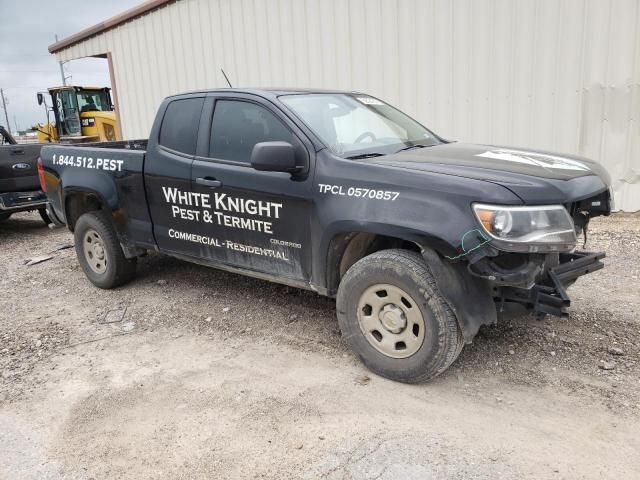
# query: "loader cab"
83,112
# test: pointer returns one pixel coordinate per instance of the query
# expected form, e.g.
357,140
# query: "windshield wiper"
411,147
365,155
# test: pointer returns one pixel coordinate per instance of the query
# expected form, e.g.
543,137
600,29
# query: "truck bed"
139,144
116,167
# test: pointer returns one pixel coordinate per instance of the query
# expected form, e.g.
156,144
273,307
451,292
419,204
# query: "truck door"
167,173
254,220
18,167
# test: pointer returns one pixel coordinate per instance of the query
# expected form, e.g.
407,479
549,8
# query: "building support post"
114,92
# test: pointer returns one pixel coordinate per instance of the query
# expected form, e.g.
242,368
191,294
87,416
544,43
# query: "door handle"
17,151
209,182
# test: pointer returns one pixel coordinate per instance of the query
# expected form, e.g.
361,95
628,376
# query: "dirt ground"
190,372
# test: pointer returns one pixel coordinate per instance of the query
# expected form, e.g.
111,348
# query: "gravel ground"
190,372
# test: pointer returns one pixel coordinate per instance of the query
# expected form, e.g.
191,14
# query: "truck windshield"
354,125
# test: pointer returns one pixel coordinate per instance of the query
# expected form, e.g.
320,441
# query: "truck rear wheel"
395,319
99,251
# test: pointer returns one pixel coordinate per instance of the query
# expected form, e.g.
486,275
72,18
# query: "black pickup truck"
19,185
421,240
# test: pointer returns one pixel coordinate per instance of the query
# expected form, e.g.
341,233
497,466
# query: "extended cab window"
179,128
237,126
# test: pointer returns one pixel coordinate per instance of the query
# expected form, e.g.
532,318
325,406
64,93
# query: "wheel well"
349,247
79,203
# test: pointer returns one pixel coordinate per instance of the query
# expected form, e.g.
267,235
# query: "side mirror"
274,157
40,99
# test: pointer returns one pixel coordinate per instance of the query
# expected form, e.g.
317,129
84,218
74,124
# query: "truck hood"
537,177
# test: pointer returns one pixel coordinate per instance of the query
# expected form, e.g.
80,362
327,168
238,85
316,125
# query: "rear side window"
179,129
237,126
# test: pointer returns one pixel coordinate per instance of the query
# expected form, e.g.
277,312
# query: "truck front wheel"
395,319
99,251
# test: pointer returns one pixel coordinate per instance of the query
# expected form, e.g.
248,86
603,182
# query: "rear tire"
99,252
4,216
395,319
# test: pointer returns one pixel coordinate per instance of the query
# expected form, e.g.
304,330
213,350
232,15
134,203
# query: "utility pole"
15,122
64,80
4,107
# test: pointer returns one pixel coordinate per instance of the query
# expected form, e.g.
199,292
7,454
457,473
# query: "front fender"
418,237
470,298
338,235
429,209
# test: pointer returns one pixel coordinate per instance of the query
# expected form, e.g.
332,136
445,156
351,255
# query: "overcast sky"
27,28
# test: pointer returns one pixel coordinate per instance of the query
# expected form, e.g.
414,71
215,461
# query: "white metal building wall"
562,75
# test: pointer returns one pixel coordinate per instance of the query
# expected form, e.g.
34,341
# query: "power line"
25,86
61,64
26,71
85,74
26,55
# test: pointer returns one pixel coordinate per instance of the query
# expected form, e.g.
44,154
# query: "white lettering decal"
225,210
543,160
78,161
238,247
358,192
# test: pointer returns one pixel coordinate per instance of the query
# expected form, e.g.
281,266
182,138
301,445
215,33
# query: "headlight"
547,228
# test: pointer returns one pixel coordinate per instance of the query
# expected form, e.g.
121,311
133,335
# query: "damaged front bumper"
548,295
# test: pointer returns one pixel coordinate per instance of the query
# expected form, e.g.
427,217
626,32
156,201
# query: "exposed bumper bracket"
549,296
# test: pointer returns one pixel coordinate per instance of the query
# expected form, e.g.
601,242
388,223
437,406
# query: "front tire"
99,252
395,319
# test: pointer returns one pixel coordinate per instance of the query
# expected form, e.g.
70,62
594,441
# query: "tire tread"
124,268
450,341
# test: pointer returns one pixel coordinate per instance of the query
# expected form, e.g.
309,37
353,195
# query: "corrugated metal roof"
142,9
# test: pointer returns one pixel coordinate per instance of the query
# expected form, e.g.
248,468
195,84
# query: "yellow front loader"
81,114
